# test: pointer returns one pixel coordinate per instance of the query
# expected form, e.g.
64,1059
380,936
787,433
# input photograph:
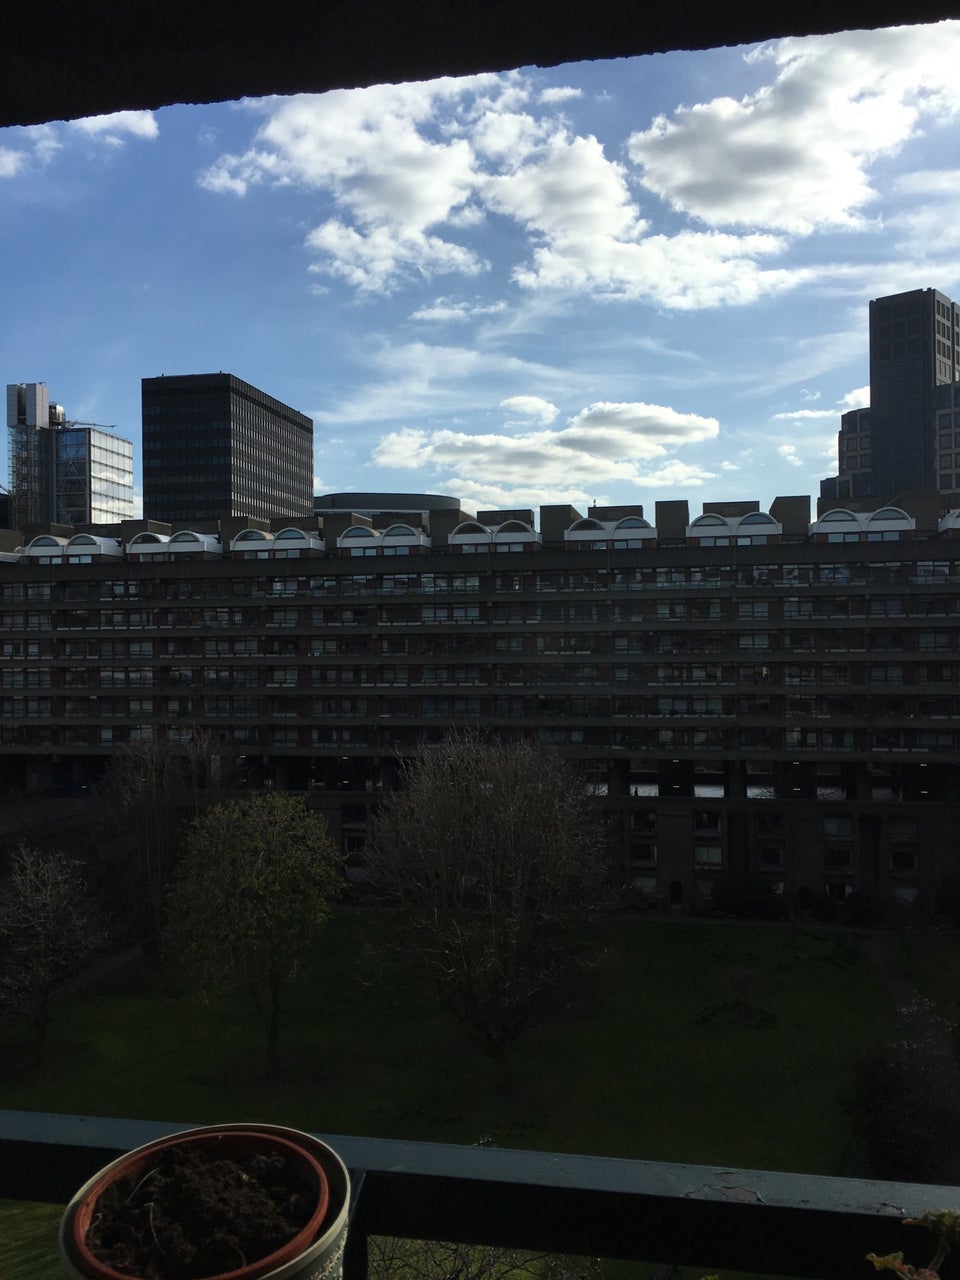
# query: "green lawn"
621,1067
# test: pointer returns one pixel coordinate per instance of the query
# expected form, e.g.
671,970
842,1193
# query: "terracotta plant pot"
314,1253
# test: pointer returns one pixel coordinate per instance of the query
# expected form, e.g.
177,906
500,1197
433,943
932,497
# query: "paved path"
916,1015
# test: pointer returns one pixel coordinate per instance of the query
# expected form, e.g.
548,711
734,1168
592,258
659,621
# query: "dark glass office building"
215,446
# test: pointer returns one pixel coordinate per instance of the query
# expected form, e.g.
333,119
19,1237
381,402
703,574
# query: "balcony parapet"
693,1215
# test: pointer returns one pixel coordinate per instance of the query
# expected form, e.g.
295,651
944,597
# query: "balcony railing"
695,1215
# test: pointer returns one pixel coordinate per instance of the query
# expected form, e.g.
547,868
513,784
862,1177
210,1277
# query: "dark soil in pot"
195,1214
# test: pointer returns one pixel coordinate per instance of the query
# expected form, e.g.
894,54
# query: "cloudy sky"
620,281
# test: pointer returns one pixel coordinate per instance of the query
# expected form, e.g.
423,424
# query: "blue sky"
622,281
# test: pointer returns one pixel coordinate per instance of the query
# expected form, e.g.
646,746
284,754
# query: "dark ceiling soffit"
64,59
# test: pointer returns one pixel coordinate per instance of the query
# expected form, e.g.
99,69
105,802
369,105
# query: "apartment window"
222,617
753,609
708,856
838,857
903,861
793,607
886,607
707,820
886,673
935,740
282,617
435,613
838,827
938,640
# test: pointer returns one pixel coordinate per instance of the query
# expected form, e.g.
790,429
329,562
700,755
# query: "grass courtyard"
632,1064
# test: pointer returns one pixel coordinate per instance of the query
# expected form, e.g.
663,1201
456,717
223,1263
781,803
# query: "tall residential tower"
61,471
215,446
909,438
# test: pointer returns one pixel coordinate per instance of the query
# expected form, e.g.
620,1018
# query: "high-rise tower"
215,446
61,471
909,438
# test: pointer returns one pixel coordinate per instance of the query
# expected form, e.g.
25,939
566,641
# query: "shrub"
750,898
904,1105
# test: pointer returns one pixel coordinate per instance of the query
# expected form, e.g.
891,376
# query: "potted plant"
221,1202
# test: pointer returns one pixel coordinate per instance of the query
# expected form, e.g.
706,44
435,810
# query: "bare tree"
490,852
49,928
252,890
149,793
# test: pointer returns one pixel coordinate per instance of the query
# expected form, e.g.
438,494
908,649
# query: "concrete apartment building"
909,437
747,692
213,445
62,471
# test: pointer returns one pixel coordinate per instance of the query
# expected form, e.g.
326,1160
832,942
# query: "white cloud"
809,451
374,261
419,379
11,162
604,443
933,223
687,271
561,93
801,414
858,399
795,155
807,358
412,169
116,128
446,311
568,192
531,407
39,145
390,180
789,454
43,142
459,177
505,137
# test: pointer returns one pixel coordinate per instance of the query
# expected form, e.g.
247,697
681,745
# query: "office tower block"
62,471
909,438
215,446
